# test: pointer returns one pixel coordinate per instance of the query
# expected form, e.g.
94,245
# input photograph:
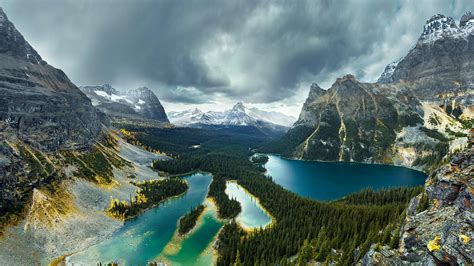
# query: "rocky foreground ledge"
439,226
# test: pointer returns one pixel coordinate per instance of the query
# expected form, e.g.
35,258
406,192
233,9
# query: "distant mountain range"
140,103
238,116
421,106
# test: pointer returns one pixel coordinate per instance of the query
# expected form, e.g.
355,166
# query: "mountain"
140,103
41,112
439,66
420,108
271,116
351,121
238,116
39,104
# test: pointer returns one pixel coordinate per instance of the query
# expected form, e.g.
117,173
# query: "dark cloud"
197,51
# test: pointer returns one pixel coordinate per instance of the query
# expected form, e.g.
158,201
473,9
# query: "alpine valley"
369,174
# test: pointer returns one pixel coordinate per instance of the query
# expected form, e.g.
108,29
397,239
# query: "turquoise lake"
329,180
143,239
252,215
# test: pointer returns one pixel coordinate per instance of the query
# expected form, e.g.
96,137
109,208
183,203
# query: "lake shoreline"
343,162
259,204
330,181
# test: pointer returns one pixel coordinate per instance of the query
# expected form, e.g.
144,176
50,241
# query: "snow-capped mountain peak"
238,115
437,27
466,19
440,26
239,107
141,102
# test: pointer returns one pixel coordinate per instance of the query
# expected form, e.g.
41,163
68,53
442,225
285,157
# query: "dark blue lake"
329,181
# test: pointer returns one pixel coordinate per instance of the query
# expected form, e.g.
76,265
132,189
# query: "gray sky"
213,53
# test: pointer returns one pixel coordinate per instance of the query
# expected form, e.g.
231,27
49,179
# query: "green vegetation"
435,158
455,133
303,226
435,134
382,196
92,165
467,123
424,202
96,164
259,159
188,221
434,119
150,194
38,165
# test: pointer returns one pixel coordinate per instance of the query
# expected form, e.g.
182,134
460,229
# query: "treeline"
188,221
217,164
150,194
382,196
303,226
259,159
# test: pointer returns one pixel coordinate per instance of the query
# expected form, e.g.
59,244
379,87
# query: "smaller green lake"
252,215
333,180
190,250
144,239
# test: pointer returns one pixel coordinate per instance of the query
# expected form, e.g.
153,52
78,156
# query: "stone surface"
39,106
443,233
140,103
353,121
439,67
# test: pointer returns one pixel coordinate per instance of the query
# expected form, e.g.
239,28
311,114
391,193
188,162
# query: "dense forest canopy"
339,231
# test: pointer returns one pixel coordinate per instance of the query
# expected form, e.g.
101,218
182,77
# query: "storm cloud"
203,50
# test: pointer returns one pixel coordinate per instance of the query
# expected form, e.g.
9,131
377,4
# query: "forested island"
188,221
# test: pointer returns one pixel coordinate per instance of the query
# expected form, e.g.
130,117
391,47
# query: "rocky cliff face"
439,67
438,228
39,107
39,104
413,115
140,103
353,121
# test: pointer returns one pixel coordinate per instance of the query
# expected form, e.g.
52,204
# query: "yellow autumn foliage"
465,239
434,245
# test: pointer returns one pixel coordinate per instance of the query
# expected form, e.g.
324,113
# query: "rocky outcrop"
140,103
39,104
352,121
439,225
393,121
40,108
150,106
439,67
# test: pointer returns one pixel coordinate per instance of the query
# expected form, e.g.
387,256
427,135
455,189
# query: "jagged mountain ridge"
351,121
41,112
138,103
439,67
40,105
398,119
238,117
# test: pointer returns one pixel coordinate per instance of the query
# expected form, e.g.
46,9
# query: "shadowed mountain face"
373,122
39,104
140,103
39,108
351,121
440,65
